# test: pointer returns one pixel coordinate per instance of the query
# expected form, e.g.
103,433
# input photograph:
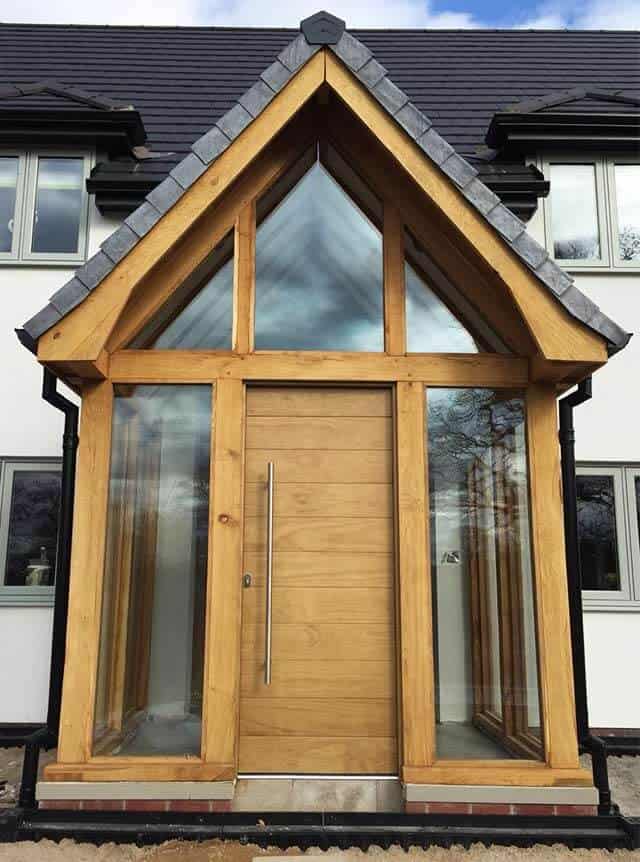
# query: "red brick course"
499,808
199,806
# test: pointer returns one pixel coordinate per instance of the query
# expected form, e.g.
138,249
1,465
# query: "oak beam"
435,369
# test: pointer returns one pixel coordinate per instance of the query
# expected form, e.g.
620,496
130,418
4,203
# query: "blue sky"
578,14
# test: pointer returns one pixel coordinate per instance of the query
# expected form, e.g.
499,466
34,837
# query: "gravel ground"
625,781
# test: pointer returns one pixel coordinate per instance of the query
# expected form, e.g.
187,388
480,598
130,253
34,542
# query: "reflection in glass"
8,185
597,533
318,272
32,528
150,670
56,221
431,327
628,203
199,315
487,696
574,212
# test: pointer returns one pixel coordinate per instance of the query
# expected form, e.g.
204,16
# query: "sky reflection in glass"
431,327
318,272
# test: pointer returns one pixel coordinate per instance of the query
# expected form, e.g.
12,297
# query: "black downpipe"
589,743
47,735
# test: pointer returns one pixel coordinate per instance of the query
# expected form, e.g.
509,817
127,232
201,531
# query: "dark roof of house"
182,80
360,59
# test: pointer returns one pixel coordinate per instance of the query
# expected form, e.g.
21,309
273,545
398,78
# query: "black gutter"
46,735
594,745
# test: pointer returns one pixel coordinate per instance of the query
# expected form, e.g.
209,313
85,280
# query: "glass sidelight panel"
150,669
487,693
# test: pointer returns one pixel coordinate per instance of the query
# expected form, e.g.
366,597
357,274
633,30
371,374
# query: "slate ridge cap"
561,97
73,93
356,56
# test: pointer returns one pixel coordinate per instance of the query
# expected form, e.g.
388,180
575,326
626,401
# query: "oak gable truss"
483,248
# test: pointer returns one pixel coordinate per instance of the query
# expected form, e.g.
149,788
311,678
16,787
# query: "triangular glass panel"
199,314
318,268
432,325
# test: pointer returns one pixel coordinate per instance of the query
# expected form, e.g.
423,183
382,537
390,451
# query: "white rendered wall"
608,429
25,652
29,428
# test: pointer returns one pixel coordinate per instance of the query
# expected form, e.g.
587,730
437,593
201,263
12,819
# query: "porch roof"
374,76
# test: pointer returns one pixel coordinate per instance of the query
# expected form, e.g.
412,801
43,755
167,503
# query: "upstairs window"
592,214
43,207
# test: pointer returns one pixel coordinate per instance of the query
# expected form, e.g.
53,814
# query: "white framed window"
44,206
609,535
29,512
592,212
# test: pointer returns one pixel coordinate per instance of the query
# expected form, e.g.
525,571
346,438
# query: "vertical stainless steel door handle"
267,628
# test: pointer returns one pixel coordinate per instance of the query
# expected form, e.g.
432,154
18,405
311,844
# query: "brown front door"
330,706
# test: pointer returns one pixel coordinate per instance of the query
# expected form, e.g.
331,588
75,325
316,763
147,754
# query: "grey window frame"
16,234
628,597
618,263
605,202
20,596
21,254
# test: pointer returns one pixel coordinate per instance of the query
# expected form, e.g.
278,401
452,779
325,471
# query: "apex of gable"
322,28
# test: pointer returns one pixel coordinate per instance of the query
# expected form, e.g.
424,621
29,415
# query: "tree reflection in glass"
150,670
487,698
597,533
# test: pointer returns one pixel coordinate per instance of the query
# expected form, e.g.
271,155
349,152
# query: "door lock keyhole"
246,580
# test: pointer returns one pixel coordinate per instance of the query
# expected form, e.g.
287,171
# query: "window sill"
613,605
600,270
68,263
17,598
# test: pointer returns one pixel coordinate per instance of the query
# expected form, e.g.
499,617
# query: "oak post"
244,278
222,641
415,635
552,604
87,571
394,282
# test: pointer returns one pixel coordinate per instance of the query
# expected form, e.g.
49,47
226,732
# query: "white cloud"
601,14
589,15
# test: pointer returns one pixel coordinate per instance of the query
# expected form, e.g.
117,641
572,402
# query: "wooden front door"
331,705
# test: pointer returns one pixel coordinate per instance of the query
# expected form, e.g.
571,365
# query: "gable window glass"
318,266
9,166
608,533
43,207
627,193
574,212
29,510
199,315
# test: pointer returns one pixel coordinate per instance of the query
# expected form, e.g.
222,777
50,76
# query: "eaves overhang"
523,133
585,117
50,113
